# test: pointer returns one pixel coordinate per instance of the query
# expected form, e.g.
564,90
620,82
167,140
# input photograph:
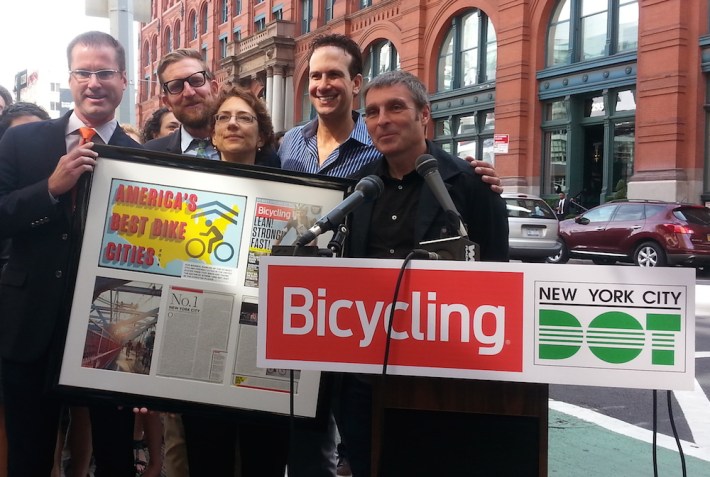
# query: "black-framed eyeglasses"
101,75
242,118
195,80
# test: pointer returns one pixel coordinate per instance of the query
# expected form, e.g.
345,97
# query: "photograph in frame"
165,298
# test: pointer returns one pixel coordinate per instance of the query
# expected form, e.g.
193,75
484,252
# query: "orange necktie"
86,135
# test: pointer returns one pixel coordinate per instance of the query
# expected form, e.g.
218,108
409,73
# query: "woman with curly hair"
161,123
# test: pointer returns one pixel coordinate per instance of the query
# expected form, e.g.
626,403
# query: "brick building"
596,96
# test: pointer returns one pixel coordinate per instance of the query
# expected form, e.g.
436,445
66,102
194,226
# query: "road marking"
696,409
702,354
626,429
702,300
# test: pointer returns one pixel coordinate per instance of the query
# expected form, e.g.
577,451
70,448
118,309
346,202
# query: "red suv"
647,233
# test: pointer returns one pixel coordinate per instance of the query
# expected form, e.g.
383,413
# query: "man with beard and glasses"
188,90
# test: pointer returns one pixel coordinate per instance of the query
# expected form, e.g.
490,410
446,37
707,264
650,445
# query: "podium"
440,426
475,347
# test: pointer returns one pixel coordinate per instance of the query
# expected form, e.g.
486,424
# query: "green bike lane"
588,444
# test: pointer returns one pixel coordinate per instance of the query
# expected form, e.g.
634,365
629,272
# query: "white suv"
533,228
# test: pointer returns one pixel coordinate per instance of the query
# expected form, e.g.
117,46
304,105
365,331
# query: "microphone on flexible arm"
457,247
368,189
427,167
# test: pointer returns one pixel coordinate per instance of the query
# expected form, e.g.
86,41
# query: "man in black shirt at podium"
397,114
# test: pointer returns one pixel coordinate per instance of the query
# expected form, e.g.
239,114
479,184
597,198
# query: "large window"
146,54
225,11
260,22
468,53
589,145
468,134
223,47
203,19
193,24
306,15
176,39
307,109
582,30
277,13
237,7
380,58
168,41
329,10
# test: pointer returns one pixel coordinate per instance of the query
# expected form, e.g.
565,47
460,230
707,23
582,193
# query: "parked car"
647,233
533,228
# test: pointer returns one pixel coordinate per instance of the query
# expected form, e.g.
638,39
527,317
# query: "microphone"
428,168
368,189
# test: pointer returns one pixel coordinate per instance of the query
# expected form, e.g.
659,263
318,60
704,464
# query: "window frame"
576,42
480,134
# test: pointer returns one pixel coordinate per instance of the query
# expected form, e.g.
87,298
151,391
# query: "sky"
35,34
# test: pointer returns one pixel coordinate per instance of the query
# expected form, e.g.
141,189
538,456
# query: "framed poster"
165,303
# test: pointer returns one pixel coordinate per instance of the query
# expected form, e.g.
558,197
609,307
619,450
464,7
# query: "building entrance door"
592,167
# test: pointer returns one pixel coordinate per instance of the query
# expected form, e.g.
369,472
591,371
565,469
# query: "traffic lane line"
696,409
702,300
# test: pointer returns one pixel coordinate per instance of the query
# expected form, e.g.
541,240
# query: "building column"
288,104
277,115
270,90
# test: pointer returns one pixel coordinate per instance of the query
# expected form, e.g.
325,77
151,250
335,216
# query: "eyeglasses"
195,80
242,118
101,75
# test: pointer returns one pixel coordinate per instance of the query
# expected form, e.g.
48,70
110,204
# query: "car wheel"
603,261
649,254
561,257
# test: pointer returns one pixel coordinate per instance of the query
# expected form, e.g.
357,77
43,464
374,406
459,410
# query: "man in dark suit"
563,206
189,90
40,164
397,113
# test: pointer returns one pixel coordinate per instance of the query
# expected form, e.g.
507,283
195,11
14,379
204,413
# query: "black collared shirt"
394,216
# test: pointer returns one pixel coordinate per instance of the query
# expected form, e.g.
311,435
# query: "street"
627,417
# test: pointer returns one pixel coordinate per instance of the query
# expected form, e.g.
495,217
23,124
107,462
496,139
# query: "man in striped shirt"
335,143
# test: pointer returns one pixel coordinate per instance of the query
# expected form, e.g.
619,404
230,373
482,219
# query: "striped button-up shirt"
299,151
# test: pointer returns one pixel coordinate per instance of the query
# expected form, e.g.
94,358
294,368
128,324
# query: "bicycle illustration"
196,247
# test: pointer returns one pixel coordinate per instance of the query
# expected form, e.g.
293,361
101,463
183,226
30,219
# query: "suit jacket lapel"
175,143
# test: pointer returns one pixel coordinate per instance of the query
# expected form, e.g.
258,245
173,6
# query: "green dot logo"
615,337
560,334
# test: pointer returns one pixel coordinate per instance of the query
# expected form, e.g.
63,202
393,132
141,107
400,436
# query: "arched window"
468,54
582,30
146,54
167,41
381,57
193,24
203,19
154,47
176,35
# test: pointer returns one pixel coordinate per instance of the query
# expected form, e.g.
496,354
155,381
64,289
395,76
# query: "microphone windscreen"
371,187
